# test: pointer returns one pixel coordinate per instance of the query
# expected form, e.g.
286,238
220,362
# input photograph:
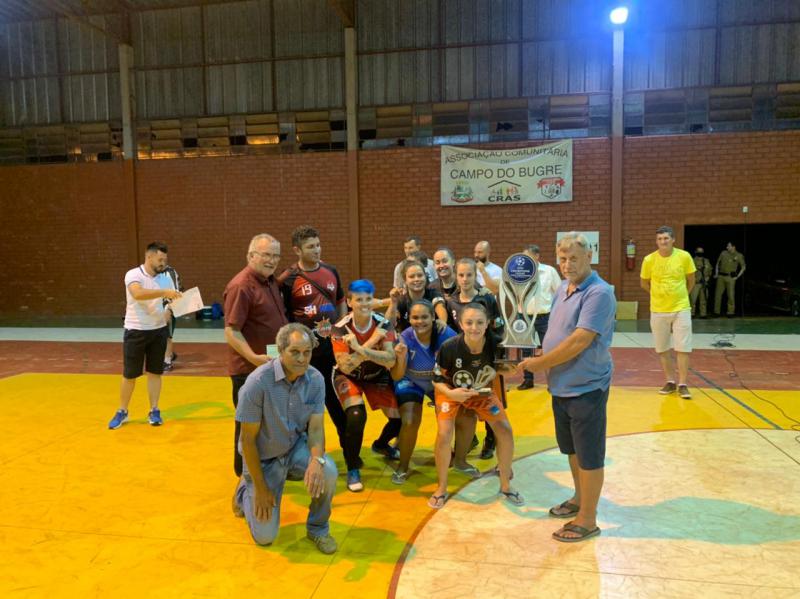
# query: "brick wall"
65,239
706,179
207,210
70,232
399,196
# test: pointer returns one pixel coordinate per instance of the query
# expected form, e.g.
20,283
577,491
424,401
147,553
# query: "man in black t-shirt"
314,297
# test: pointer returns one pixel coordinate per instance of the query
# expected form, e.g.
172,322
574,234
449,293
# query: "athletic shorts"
581,427
143,350
677,325
379,394
488,408
406,390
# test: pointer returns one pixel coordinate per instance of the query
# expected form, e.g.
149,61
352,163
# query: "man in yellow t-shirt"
668,275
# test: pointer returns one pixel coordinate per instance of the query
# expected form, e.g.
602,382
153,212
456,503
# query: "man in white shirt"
539,304
489,274
412,244
146,330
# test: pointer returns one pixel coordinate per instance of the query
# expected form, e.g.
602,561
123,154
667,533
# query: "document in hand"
189,302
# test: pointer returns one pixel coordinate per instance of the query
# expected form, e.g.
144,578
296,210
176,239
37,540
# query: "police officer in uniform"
699,293
730,266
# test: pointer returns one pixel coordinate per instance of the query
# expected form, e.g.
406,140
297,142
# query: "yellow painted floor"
702,499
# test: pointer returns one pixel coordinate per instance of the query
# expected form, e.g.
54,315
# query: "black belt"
727,274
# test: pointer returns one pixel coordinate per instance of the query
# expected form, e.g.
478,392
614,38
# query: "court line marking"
738,401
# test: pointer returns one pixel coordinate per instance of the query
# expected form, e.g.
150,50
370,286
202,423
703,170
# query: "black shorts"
143,349
581,427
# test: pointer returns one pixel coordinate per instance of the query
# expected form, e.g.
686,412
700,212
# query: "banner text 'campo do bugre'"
473,176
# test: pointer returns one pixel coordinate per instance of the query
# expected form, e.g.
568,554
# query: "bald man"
489,273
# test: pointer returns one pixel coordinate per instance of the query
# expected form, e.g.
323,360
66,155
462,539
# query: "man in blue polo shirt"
578,362
280,409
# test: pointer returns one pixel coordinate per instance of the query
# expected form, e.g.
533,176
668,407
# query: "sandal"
437,502
469,470
572,510
584,533
513,498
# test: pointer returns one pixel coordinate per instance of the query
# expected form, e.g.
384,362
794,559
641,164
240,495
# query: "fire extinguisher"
630,255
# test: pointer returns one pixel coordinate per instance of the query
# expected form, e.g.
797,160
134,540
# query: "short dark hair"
413,238
477,306
446,250
156,246
665,229
301,233
420,256
534,249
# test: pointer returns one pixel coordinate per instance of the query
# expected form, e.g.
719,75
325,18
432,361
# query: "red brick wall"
208,209
65,239
399,196
687,180
69,236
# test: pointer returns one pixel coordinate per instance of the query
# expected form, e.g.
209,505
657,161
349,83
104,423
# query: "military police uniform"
699,293
728,264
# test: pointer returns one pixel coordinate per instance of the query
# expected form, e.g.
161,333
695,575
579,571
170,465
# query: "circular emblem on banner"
520,268
519,326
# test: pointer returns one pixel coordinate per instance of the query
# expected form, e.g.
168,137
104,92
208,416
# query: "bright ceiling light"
619,15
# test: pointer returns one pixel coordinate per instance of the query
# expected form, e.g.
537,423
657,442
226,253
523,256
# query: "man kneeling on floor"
278,402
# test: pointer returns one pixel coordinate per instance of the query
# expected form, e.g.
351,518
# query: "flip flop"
513,498
437,502
584,533
567,505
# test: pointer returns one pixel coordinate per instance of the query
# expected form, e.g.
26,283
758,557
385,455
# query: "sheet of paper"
189,302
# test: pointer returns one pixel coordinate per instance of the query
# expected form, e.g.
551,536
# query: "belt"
727,274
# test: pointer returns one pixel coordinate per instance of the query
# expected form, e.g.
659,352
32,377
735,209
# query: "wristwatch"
320,460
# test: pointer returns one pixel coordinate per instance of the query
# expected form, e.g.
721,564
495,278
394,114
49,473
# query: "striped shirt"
282,408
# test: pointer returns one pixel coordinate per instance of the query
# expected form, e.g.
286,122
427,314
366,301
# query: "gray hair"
573,238
254,241
285,332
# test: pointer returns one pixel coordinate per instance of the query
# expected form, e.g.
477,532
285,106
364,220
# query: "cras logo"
462,193
504,191
551,186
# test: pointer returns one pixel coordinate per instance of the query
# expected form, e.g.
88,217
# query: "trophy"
516,290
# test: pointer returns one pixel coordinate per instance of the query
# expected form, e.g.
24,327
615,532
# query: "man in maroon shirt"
254,311
314,297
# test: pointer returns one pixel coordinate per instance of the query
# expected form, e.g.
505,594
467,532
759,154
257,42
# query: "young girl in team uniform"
363,370
415,288
465,379
413,375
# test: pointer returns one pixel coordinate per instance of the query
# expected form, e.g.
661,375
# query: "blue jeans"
277,471
540,326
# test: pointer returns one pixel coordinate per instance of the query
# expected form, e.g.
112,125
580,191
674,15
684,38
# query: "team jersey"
421,359
455,307
367,371
457,366
404,307
305,301
445,292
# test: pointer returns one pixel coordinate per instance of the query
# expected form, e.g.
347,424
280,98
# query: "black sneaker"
386,450
669,387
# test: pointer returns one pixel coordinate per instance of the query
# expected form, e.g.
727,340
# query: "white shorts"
669,327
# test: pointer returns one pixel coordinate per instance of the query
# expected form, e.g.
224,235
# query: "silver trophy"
516,290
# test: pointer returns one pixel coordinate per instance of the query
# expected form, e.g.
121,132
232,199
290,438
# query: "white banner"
474,177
